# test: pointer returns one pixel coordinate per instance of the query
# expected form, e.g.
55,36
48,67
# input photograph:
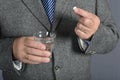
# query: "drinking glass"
46,38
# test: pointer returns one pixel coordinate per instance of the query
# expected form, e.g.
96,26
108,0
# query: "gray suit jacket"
25,17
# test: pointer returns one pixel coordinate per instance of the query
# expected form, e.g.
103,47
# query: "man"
80,32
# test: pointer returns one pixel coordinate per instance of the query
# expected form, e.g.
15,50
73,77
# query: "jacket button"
57,68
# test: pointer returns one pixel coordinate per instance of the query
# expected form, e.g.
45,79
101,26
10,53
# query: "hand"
29,51
87,25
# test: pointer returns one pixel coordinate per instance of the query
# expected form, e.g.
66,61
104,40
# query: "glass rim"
44,34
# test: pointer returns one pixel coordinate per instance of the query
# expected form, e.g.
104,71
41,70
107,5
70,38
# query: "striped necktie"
49,8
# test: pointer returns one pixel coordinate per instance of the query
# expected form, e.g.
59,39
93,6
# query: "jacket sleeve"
6,59
106,37
6,54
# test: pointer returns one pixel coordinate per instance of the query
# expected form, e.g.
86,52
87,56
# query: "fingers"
31,59
85,16
30,42
29,51
81,34
87,25
35,56
37,52
86,22
82,28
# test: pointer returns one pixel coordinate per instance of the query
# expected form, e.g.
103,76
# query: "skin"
27,50
87,25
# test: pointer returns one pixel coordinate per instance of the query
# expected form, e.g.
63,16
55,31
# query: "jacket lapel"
60,8
37,10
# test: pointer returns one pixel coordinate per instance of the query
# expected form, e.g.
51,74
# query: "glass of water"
46,38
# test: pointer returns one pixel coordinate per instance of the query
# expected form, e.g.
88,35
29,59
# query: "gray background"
106,67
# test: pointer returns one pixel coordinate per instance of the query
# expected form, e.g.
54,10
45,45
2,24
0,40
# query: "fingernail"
74,8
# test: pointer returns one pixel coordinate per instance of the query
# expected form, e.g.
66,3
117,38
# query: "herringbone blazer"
24,17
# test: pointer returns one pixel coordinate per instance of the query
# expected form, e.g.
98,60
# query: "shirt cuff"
17,64
83,44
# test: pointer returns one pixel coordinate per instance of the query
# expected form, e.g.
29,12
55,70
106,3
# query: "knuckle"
26,49
80,25
26,57
27,42
31,51
78,32
87,21
75,30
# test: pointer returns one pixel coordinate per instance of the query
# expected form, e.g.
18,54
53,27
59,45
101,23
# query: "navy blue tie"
49,8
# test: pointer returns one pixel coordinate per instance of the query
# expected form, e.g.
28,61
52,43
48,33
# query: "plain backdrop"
106,67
